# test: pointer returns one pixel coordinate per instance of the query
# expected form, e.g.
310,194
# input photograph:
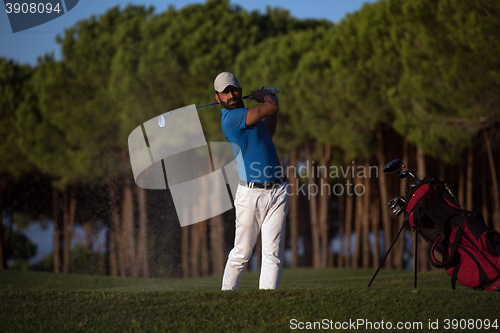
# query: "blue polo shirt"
258,161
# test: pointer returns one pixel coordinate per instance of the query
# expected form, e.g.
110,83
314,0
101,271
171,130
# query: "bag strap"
453,249
434,261
455,274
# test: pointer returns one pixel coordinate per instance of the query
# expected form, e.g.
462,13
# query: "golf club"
204,106
398,201
244,97
409,187
161,119
396,205
395,166
403,174
397,211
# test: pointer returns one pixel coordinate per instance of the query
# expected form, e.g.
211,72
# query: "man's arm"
268,109
272,121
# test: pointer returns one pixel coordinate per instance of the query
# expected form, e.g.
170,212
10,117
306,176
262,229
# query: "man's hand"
260,94
267,109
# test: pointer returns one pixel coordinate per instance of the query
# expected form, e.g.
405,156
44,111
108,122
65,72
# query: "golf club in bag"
470,252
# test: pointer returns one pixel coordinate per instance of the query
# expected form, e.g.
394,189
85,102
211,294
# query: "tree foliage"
446,94
13,79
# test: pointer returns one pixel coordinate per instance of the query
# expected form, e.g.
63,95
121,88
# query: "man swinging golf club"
261,199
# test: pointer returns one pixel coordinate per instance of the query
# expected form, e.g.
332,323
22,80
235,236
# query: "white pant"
258,209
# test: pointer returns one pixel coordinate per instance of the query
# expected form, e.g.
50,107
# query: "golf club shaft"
204,106
411,174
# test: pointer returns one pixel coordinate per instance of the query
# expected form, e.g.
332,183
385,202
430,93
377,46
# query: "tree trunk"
358,226
313,199
216,237
199,257
365,217
57,232
340,257
69,211
423,247
217,244
72,213
128,234
348,223
293,201
115,252
462,175
398,251
324,201
384,198
65,232
494,183
375,221
3,185
142,246
442,170
485,197
204,249
469,185
421,170
196,248
185,251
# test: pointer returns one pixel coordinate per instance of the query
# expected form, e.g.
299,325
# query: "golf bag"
470,251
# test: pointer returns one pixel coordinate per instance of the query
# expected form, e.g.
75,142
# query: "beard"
229,106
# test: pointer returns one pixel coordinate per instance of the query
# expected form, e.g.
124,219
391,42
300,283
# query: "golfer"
261,199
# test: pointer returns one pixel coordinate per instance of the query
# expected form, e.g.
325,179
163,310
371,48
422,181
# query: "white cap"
225,79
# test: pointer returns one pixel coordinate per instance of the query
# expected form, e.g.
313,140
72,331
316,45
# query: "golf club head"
393,166
403,174
396,205
396,202
409,187
392,203
397,211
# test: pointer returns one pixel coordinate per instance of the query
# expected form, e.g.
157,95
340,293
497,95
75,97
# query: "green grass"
46,302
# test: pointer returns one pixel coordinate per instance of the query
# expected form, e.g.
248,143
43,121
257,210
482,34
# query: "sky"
26,46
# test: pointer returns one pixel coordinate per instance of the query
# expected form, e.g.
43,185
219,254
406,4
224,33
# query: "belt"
266,186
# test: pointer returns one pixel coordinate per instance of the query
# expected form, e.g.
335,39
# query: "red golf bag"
470,252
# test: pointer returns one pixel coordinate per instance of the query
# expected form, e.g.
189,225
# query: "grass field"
46,302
